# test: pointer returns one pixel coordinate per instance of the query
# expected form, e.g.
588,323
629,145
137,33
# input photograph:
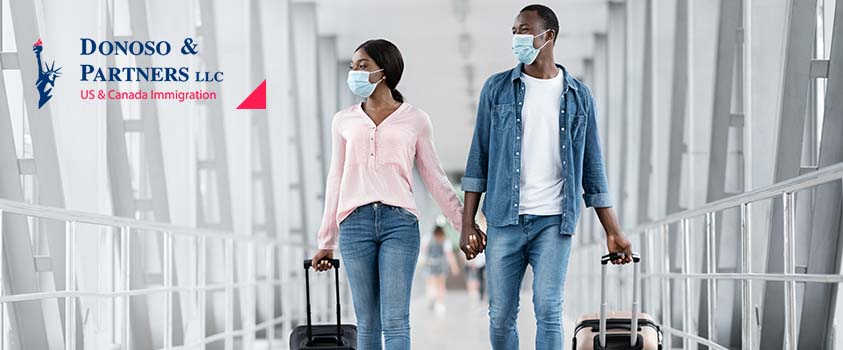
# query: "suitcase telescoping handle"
336,264
604,260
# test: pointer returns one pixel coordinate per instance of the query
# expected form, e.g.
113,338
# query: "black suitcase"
323,337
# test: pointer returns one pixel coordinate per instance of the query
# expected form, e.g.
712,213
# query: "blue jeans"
380,247
536,241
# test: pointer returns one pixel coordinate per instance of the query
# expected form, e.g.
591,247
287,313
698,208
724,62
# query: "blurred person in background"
370,209
474,270
535,151
438,260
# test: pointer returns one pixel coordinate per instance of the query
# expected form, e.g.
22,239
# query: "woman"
370,211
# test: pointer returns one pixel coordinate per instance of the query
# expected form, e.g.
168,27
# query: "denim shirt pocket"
578,126
502,116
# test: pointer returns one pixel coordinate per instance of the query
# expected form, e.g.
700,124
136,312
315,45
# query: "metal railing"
245,254
654,238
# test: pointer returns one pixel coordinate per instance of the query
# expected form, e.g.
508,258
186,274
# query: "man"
535,149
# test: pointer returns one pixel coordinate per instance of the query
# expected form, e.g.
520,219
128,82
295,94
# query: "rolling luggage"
617,330
324,337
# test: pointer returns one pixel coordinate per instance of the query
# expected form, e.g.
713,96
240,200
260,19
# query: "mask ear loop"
545,43
542,33
381,79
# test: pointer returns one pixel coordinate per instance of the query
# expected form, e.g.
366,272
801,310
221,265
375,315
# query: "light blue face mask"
358,82
522,47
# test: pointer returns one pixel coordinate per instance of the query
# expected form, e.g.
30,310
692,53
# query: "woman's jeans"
534,241
380,247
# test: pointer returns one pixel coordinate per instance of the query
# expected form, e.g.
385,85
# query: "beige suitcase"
619,329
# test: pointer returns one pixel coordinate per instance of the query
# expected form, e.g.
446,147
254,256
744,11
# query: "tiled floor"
465,324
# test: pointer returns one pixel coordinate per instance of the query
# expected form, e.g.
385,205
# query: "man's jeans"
380,248
536,241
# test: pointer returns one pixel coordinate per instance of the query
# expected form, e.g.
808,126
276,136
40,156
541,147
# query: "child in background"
438,260
474,269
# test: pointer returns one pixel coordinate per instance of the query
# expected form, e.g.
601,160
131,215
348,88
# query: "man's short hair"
548,17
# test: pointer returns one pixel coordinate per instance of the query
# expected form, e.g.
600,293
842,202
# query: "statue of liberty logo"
47,75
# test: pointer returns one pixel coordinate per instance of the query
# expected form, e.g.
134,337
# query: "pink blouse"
373,163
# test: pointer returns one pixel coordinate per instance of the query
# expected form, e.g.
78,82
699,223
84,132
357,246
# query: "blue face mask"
358,82
522,47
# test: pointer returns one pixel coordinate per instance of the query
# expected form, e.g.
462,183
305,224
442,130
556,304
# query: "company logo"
151,74
47,75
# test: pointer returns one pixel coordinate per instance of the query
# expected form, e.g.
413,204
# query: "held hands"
321,259
616,242
472,241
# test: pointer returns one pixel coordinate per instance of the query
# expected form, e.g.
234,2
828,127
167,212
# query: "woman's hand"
320,259
472,240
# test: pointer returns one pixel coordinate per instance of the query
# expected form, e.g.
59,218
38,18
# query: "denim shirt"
494,161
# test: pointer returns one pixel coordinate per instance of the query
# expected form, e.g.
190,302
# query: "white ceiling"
428,33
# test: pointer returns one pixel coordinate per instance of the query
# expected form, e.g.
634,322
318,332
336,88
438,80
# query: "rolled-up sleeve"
594,183
477,165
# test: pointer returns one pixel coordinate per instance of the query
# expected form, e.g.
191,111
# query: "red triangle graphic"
255,100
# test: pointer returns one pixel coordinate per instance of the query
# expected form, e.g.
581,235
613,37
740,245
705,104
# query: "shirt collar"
569,81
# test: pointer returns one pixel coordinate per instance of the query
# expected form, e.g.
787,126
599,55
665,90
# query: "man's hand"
472,241
616,242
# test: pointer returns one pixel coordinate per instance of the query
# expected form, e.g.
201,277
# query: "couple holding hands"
534,152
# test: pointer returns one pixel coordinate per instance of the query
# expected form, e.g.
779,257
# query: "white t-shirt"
541,162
